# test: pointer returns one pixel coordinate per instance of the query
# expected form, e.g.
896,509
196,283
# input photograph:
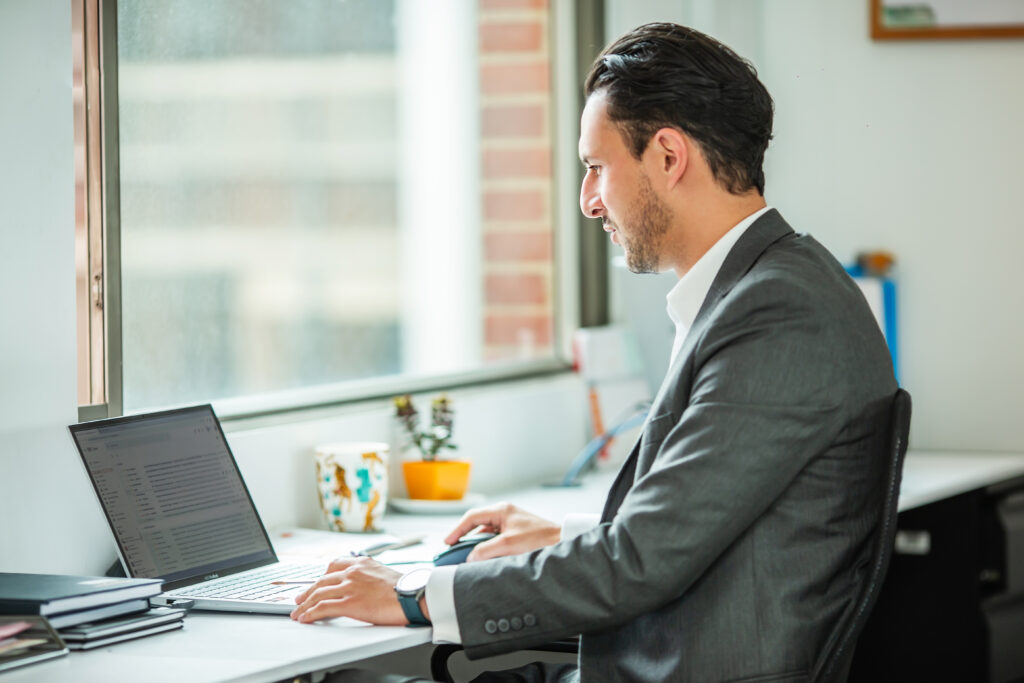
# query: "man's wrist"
410,589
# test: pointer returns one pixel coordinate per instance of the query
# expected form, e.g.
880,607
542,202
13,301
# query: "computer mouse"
456,554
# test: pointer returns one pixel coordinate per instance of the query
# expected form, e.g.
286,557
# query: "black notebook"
48,594
83,616
111,627
131,635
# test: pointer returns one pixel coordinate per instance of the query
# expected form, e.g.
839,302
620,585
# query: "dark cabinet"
952,605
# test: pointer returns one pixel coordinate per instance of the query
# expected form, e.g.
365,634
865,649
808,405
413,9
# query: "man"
736,535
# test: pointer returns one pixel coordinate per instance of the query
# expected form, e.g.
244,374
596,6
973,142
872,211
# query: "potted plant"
431,477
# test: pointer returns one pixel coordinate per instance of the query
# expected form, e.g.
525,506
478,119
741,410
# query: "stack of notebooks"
108,631
89,611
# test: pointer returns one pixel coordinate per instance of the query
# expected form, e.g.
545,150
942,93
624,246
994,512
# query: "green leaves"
437,436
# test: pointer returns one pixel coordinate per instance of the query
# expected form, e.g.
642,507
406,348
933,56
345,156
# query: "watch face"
413,581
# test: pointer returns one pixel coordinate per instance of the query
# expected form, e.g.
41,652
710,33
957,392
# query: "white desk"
932,476
229,647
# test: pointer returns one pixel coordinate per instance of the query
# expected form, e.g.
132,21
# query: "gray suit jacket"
736,535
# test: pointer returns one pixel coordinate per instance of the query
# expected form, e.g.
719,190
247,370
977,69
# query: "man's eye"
596,170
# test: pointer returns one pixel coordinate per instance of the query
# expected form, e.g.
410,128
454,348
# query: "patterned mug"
352,484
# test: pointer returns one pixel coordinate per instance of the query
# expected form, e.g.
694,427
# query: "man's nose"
590,202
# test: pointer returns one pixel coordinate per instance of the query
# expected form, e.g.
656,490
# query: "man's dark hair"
665,75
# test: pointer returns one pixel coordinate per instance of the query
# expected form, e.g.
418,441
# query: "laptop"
180,511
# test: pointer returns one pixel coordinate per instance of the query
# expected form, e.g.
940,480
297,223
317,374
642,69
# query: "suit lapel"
675,388
623,482
765,231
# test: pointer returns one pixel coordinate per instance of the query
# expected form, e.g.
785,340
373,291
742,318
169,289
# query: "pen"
379,548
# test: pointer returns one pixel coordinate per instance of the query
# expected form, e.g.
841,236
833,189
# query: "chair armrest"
439,657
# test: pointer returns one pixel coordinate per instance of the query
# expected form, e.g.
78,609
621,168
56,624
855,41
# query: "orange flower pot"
437,479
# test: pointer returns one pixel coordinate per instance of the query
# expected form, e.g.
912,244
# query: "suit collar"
765,231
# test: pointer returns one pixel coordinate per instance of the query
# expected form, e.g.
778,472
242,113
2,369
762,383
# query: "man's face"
618,191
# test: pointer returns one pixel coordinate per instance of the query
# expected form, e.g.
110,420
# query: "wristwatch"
410,588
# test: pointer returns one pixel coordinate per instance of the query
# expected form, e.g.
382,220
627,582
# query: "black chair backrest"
834,664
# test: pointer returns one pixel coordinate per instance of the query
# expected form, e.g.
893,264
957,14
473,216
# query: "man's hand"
355,587
518,531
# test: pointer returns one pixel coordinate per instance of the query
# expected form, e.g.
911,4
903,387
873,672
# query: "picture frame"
946,19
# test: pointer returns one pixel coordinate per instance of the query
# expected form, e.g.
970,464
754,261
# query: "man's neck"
707,223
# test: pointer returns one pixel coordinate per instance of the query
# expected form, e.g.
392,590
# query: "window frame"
575,286
102,14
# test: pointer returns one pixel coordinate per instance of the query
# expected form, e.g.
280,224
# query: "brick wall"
516,163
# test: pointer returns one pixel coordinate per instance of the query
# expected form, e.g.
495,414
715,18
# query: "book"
66,619
132,622
110,640
47,594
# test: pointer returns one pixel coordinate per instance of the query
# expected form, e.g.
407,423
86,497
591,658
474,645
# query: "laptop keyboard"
255,584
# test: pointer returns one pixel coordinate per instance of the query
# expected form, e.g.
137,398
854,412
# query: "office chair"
834,661
833,664
439,657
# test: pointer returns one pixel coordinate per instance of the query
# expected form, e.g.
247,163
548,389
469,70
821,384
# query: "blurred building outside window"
317,192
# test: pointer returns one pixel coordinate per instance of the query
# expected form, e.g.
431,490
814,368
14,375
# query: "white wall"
48,517
914,147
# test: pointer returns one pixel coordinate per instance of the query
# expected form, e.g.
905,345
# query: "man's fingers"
331,579
491,517
342,563
316,594
503,545
515,542
488,549
471,520
325,609
334,573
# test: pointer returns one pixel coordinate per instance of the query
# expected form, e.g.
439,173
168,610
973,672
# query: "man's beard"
649,221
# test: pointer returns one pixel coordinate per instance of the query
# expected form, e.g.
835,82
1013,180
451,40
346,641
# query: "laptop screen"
173,494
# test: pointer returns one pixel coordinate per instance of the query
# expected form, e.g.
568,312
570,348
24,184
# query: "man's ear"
671,155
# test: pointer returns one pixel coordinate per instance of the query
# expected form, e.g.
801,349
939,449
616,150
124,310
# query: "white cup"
352,484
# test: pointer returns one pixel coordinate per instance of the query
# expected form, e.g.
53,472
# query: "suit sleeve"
762,405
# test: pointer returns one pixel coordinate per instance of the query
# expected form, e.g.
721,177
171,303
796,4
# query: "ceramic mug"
352,484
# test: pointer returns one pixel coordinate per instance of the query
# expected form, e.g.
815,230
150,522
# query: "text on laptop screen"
173,494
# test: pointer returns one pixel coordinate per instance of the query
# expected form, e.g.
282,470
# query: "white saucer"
416,506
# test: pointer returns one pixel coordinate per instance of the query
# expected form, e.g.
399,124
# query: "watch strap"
411,606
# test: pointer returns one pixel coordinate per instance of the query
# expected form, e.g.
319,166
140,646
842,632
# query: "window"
316,197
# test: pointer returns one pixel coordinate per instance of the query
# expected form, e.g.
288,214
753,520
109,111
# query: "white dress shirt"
683,303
